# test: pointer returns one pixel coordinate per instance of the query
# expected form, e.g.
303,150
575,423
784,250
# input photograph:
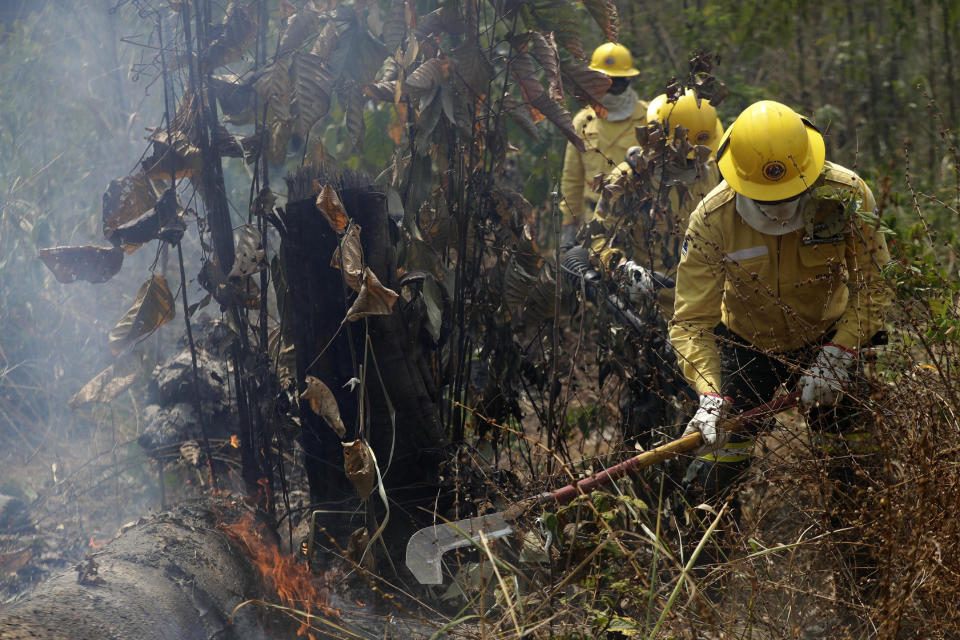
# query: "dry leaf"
263,203
93,264
359,466
109,383
126,199
233,37
328,202
279,138
348,256
324,404
250,255
357,549
164,222
374,299
153,308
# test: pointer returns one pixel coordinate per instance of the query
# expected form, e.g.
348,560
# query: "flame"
235,441
295,585
99,544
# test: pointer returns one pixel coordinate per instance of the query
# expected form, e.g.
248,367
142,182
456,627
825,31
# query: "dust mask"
620,107
773,219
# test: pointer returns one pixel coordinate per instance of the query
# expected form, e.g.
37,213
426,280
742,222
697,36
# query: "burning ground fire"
294,583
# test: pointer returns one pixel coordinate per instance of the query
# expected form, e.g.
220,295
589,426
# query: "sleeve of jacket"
866,254
699,293
571,186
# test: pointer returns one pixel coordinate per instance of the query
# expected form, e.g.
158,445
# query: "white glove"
822,384
713,408
637,281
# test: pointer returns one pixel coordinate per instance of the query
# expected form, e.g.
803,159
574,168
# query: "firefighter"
779,282
606,138
650,240
636,237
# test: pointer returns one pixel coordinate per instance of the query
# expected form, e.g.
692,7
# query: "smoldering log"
173,576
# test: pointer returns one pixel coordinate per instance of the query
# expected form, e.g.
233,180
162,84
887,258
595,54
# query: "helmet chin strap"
773,219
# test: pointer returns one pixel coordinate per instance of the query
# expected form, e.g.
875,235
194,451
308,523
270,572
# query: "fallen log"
172,576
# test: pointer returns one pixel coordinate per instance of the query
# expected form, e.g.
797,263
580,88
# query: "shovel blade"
426,547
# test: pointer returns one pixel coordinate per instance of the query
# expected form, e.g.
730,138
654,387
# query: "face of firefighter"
618,86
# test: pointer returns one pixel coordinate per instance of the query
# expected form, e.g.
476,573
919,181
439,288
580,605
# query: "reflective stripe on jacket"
779,292
607,143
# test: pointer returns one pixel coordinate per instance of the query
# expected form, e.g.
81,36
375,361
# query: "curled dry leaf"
93,264
233,37
328,202
324,404
374,299
359,467
357,549
164,222
250,255
126,199
348,256
278,140
153,308
263,203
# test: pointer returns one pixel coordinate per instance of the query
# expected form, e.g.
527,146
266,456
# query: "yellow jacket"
607,143
780,292
651,240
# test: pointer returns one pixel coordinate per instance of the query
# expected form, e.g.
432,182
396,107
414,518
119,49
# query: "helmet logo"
774,170
703,137
609,61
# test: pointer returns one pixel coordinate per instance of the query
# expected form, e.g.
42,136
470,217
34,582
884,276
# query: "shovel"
426,547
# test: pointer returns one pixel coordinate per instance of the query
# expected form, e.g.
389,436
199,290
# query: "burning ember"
235,441
99,544
295,585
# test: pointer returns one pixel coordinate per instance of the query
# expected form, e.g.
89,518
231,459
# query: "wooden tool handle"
647,458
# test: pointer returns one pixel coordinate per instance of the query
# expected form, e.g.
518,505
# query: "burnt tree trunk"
319,300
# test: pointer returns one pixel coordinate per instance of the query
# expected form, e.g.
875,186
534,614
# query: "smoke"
79,87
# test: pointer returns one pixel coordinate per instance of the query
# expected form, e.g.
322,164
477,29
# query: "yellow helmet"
701,122
614,60
770,152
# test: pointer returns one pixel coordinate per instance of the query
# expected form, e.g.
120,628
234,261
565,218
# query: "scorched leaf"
153,308
93,264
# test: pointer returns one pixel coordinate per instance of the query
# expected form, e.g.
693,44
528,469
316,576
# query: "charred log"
172,576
